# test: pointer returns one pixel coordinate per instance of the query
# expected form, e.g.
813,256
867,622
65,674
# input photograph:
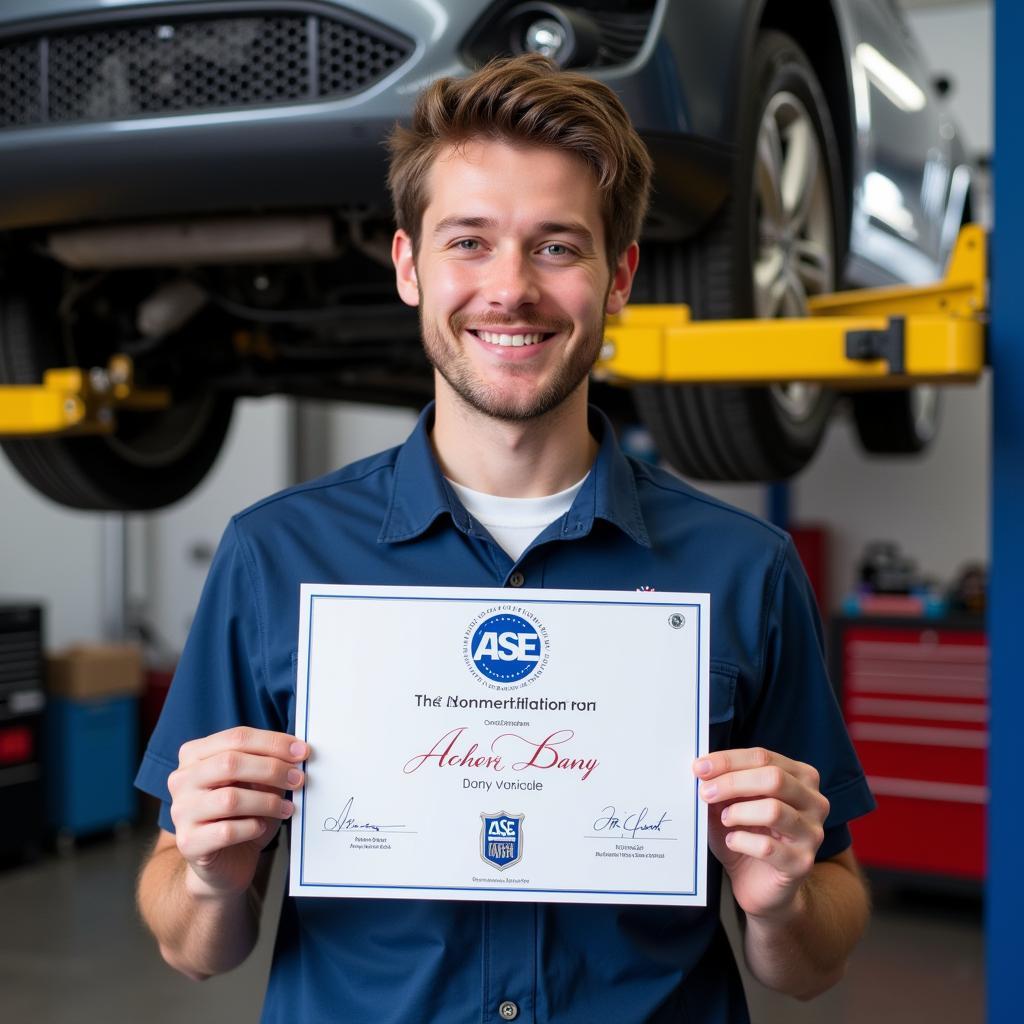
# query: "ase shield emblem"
501,839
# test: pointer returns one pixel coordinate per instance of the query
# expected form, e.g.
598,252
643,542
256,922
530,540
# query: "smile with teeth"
515,340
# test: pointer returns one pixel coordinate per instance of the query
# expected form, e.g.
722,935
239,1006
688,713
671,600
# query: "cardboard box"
85,671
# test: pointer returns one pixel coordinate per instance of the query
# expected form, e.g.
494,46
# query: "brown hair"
529,100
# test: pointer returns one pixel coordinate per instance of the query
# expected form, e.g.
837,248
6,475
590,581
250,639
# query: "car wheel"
897,422
778,240
151,460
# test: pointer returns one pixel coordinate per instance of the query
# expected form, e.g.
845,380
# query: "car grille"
621,34
182,64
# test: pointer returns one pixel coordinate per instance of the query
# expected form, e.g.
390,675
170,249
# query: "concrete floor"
73,952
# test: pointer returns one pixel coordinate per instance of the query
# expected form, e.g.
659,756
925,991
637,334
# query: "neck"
513,460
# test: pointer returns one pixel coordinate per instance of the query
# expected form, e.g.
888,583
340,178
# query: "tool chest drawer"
915,698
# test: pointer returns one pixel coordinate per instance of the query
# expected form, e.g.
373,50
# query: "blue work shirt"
392,519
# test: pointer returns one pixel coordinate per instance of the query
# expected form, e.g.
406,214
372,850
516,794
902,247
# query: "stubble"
495,400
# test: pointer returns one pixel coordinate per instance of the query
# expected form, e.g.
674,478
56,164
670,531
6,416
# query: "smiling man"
509,271
519,194
514,294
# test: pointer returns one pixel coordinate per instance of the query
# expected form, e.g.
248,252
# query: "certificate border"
314,597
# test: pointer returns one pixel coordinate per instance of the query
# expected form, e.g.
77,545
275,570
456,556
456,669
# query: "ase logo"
501,839
505,648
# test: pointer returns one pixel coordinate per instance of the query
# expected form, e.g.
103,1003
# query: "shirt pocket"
723,696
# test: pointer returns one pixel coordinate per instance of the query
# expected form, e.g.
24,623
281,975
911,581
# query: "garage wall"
52,556
355,431
958,40
171,549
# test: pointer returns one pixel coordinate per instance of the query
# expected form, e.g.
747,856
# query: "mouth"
512,338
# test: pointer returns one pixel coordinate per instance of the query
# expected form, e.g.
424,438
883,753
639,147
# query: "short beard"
490,399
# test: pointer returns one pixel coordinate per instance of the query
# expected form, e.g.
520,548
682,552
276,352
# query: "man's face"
511,278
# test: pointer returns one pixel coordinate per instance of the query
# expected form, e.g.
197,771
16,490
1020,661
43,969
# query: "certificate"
491,744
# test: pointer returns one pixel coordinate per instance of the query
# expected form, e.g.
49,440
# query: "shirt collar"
419,492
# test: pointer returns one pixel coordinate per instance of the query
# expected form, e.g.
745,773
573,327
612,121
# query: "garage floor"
72,952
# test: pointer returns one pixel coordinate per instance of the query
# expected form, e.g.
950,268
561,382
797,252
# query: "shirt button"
517,579
508,1010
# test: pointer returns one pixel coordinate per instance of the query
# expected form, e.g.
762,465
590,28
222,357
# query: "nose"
511,280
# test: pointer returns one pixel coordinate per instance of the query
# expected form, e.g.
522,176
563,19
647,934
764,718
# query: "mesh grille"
19,84
157,69
190,65
621,35
351,59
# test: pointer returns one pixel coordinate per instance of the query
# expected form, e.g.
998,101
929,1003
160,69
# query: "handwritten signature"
629,824
344,822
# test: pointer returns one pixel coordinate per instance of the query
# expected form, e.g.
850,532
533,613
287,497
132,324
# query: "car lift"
73,401
880,337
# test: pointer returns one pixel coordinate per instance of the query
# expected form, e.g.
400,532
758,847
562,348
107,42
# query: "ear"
622,279
405,269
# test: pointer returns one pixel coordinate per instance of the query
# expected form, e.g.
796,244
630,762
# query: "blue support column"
1005,894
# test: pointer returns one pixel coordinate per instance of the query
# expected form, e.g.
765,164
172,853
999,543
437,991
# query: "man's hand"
765,823
227,803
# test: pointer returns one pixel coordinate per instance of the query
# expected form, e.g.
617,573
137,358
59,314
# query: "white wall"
172,546
50,555
958,40
360,430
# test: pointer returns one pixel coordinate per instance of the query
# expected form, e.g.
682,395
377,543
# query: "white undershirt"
515,522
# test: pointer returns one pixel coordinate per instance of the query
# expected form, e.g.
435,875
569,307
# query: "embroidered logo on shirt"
645,590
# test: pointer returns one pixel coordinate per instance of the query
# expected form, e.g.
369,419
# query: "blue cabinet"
91,756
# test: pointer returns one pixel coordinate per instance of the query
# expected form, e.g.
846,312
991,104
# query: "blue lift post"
1005,886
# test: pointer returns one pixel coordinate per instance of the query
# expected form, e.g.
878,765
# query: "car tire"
762,256
151,460
897,422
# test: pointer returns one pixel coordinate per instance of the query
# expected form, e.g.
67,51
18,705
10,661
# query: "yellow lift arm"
75,401
878,337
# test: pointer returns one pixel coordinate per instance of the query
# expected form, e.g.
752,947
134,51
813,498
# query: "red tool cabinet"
914,693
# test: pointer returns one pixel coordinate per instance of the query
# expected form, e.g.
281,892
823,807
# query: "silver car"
200,185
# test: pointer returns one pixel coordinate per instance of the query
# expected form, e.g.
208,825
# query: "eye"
556,249
467,244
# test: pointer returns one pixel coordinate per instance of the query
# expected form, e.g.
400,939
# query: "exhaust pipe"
192,243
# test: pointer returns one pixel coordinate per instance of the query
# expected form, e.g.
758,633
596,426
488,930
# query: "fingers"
201,843
232,766
794,860
206,805
721,762
777,819
228,789
771,781
261,742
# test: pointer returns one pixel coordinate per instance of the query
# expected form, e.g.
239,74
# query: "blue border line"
477,600
459,888
506,888
696,747
305,764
